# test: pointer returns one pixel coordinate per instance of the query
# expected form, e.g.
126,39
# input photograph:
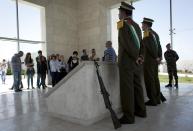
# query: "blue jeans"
3,77
30,76
41,80
17,79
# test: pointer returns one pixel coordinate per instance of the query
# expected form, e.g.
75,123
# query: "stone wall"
94,24
61,25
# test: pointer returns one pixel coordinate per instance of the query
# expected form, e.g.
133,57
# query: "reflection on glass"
8,26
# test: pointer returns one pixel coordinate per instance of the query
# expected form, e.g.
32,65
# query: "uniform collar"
129,20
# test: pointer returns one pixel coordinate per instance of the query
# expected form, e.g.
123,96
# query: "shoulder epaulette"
120,24
146,34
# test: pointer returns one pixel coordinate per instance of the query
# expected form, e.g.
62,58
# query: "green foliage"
180,71
186,79
185,71
23,72
9,71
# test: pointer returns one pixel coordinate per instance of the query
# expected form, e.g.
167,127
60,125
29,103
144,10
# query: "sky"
182,22
30,24
159,11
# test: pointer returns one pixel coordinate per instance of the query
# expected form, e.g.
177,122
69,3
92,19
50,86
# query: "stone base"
77,97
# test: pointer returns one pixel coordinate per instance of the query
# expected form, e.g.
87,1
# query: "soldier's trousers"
152,82
131,90
158,95
172,72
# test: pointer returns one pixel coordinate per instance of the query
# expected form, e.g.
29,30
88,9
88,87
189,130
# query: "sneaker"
18,90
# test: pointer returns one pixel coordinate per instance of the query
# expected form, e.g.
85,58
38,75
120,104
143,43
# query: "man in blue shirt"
16,68
109,53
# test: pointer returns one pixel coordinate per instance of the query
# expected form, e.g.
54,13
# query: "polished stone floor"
27,111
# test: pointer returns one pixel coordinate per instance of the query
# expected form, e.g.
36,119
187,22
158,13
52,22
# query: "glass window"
32,48
30,28
30,22
8,27
7,49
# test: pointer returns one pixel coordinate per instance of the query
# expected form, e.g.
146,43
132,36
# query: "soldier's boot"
170,81
163,99
150,103
125,120
176,85
168,85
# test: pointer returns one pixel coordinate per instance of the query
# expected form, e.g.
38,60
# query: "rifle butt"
116,122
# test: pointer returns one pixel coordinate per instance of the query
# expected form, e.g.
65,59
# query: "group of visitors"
109,56
55,66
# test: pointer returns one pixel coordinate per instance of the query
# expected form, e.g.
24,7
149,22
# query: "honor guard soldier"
171,57
153,57
130,69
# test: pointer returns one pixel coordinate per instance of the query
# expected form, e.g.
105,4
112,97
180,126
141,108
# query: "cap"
147,21
168,45
126,6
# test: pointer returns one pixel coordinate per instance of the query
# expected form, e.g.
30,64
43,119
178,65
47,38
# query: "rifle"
107,102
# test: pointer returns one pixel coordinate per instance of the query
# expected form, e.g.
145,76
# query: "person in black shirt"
84,56
73,61
41,70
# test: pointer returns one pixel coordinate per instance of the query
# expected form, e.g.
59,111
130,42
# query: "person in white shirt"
62,67
54,69
3,70
94,56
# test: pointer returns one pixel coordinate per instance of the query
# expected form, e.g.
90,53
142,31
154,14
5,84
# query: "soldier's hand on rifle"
158,60
140,60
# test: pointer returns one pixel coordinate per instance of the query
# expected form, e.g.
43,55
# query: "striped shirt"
110,55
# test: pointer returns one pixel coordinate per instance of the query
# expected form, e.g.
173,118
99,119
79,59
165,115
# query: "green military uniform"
131,91
159,95
171,57
153,51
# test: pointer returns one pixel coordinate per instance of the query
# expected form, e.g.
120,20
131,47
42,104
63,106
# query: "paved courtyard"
27,111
